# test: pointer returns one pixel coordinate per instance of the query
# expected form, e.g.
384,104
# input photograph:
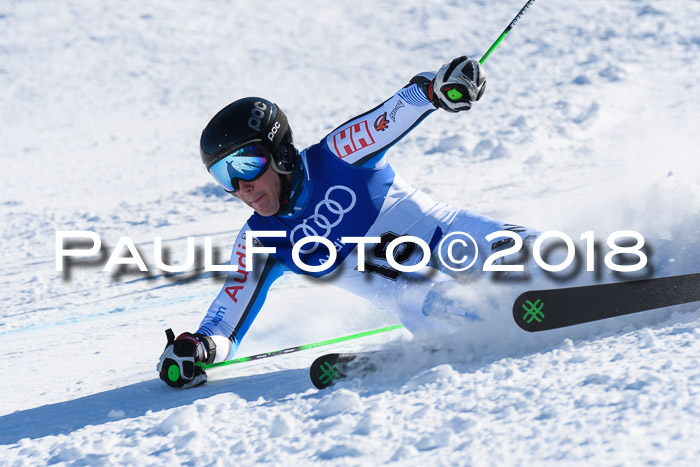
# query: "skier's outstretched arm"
364,139
227,320
240,299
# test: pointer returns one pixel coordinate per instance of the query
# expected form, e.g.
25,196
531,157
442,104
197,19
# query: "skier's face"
263,194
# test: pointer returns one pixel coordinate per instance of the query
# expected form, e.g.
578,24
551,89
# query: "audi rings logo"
327,214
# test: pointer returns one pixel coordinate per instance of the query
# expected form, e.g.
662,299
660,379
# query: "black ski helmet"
248,120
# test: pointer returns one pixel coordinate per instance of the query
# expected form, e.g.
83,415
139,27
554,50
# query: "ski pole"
506,31
299,347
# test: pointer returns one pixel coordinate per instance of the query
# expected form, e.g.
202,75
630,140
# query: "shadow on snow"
135,400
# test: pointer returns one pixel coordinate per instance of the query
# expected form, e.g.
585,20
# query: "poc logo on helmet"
256,115
273,131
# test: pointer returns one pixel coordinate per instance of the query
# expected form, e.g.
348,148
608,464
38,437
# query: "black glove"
458,84
178,363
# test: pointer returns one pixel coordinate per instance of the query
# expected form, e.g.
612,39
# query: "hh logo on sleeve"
351,139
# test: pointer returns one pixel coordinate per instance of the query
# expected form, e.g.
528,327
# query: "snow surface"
588,123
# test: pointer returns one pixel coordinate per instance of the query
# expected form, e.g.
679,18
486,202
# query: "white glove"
458,84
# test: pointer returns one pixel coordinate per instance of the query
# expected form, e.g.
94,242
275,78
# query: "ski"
542,310
328,369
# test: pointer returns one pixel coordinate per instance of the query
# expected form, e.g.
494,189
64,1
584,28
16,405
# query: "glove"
458,84
178,364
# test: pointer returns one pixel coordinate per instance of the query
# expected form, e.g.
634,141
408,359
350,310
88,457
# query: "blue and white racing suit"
349,190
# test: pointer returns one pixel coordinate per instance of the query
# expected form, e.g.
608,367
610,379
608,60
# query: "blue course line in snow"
149,305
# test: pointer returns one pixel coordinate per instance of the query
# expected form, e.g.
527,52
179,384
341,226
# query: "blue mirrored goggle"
247,163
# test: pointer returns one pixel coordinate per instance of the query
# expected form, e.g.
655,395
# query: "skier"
338,188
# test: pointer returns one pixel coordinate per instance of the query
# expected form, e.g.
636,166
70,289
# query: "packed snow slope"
588,123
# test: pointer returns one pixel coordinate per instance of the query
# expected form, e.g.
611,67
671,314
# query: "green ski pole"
299,347
506,31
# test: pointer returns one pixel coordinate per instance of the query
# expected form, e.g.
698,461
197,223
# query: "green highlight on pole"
493,47
506,31
300,347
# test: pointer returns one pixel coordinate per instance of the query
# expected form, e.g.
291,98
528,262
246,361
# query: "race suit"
349,190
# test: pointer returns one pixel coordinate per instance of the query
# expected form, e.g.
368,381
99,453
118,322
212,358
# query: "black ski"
541,310
328,369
